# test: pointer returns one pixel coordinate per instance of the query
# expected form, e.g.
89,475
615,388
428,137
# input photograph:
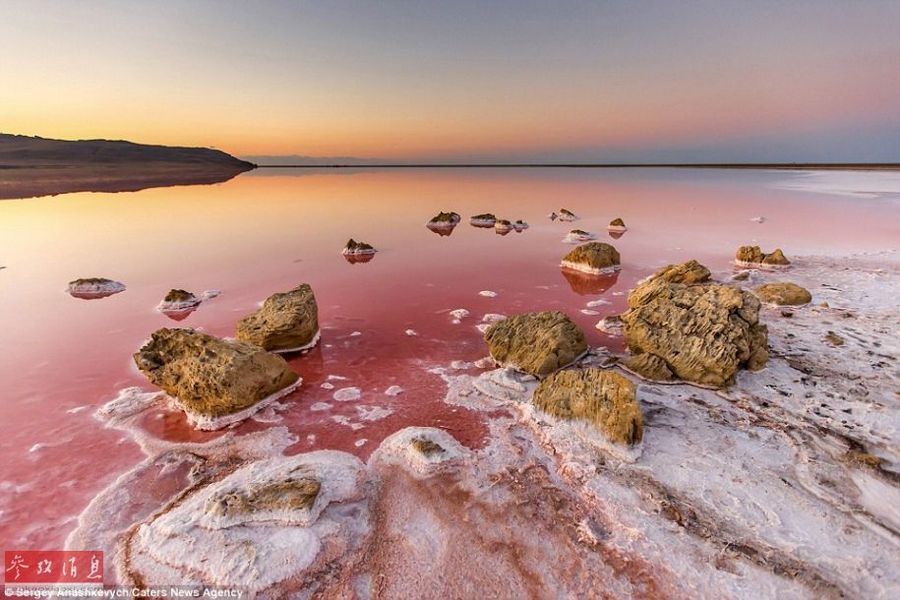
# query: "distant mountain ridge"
21,151
36,166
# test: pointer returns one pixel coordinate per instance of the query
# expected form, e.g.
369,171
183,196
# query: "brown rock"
535,343
703,331
649,366
603,398
287,321
776,258
593,257
617,224
211,377
783,294
752,255
426,446
834,339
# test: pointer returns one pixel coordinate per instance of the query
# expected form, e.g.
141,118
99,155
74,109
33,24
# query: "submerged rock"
535,343
617,225
286,322
94,287
566,215
593,257
702,330
483,220
752,256
783,294
354,248
216,382
603,398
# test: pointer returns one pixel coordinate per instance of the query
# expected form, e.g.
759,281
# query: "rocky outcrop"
566,215
286,322
783,294
752,256
94,287
354,248
535,343
216,382
603,398
593,257
617,225
702,330
483,220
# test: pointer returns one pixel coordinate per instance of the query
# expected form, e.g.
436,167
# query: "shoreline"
723,166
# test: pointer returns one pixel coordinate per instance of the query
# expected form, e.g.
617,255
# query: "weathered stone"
483,220
535,343
566,215
287,321
449,219
593,257
212,378
649,366
603,398
753,256
426,446
704,331
289,494
783,293
176,296
89,288
617,224
357,248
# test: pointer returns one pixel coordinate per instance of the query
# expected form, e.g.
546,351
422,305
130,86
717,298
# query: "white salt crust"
577,238
208,423
311,344
567,264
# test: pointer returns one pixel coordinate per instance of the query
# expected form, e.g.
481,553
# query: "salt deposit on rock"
594,258
354,248
178,300
347,394
577,236
94,287
483,220
394,390
566,215
617,225
443,223
520,225
215,382
319,406
411,332
503,226
421,451
752,256
610,325
286,322
459,314
487,293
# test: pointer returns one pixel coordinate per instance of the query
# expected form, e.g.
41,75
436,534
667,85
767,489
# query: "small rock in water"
520,225
483,220
567,215
595,258
503,226
758,219
354,248
487,293
597,302
394,390
178,300
577,236
459,314
411,332
617,225
94,287
752,256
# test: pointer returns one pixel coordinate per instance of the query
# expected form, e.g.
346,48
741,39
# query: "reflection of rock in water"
179,315
442,230
359,258
616,234
587,284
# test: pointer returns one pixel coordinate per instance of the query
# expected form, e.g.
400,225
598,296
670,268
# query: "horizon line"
889,166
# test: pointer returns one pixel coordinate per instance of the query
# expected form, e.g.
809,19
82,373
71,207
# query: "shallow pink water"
270,230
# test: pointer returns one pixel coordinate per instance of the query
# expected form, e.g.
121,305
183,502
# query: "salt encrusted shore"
567,264
784,485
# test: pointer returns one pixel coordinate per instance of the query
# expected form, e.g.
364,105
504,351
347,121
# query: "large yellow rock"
602,398
535,343
286,322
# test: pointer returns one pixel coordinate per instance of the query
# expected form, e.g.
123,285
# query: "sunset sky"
457,81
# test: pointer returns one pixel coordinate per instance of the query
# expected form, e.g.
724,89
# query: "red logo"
52,566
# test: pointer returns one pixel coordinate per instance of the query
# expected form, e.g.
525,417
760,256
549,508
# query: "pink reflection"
355,259
586,284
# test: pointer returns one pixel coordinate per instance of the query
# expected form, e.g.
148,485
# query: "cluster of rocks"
217,381
752,256
541,344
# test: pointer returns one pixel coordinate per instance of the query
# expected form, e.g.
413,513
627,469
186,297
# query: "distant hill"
35,166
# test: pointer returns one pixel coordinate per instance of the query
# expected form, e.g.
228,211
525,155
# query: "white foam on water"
411,332
487,294
597,302
319,406
589,312
373,413
394,390
347,394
